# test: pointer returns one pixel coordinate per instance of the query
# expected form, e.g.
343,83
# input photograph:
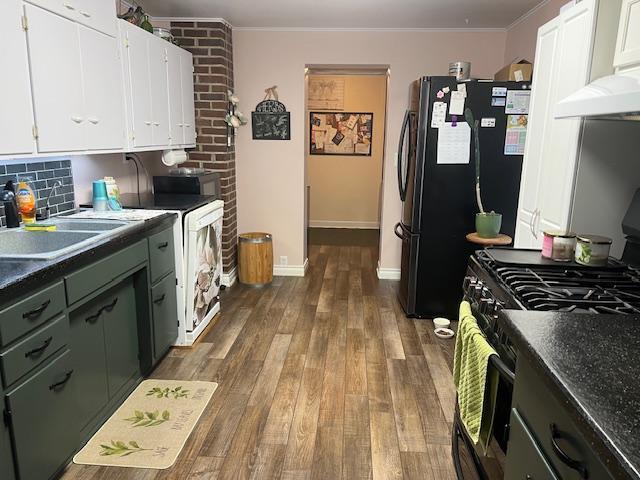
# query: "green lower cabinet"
87,344
43,418
6,460
165,315
121,336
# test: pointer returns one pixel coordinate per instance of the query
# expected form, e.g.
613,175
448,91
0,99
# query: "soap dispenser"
8,198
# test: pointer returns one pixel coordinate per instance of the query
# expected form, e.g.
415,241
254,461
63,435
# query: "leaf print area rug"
151,427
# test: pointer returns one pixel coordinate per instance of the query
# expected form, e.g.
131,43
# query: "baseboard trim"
291,270
343,224
228,279
388,273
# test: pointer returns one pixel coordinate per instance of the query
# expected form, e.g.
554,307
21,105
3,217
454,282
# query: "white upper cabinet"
628,44
56,79
563,56
16,114
158,82
188,102
159,91
97,14
176,122
104,104
135,60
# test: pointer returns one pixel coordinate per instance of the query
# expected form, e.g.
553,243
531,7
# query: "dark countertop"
167,201
19,277
593,363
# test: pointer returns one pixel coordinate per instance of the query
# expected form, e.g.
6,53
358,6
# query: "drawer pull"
61,383
160,299
106,308
564,458
39,350
163,245
37,311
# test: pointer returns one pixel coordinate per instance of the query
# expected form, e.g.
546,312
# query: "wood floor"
321,377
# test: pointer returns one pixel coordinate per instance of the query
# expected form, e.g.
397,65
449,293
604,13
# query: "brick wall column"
211,46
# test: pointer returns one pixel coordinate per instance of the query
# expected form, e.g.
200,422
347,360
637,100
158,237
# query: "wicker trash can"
255,258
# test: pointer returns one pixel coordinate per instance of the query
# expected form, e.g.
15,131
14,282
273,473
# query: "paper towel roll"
171,158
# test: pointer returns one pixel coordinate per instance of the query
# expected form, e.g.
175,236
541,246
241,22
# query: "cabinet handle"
60,384
105,308
147,122
564,458
85,14
188,125
77,119
94,120
160,299
163,245
157,124
37,311
181,125
39,350
69,5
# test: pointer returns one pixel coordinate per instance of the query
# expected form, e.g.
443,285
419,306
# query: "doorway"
345,143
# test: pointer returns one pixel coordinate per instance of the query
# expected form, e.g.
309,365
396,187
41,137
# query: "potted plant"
487,223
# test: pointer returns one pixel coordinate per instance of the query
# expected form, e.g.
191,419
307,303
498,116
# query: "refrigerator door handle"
402,187
400,235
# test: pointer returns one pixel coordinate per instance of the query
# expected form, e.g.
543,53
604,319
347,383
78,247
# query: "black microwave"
198,183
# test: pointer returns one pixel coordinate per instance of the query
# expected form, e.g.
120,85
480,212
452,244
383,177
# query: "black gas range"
507,278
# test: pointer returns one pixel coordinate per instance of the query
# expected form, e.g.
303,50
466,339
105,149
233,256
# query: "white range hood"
614,96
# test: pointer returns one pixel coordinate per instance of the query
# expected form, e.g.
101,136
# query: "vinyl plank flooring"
320,377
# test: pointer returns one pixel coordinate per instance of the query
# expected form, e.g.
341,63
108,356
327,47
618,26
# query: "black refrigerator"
438,199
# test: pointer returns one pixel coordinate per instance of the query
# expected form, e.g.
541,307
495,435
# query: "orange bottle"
26,199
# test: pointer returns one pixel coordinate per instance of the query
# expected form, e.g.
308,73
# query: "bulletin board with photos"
341,133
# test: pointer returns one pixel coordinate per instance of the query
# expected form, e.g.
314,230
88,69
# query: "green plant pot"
488,224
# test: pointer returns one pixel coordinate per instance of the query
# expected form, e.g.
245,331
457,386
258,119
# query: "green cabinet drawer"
165,315
34,350
525,460
121,336
542,411
43,419
161,254
87,345
6,459
31,312
90,278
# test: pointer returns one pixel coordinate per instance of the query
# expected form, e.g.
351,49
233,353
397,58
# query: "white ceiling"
399,14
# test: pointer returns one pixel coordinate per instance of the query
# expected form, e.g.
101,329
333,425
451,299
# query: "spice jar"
559,245
593,250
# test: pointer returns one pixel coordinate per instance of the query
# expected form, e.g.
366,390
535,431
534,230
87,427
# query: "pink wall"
521,37
271,174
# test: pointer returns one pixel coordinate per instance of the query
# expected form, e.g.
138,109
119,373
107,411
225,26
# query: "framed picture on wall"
340,133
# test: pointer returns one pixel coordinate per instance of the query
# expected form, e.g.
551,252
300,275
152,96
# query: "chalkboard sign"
271,121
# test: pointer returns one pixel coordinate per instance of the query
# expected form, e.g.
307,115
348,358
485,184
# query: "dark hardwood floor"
321,377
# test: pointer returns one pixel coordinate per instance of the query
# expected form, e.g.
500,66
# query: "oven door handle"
502,369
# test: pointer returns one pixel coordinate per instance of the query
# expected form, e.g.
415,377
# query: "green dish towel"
476,385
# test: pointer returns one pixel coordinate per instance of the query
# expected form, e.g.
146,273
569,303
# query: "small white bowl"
444,332
441,322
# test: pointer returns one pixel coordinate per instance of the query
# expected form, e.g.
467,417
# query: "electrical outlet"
284,260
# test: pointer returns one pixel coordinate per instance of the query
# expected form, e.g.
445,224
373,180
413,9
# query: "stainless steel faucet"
47,207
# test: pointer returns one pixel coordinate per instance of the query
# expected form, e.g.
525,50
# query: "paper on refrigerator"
456,106
439,114
454,144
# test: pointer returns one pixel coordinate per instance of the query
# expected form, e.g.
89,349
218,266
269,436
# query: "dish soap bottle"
26,199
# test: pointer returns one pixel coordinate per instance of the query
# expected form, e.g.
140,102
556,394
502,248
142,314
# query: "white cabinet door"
102,90
175,96
540,116
98,14
139,85
628,43
56,80
560,149
159,91
188,101
66,8
16,114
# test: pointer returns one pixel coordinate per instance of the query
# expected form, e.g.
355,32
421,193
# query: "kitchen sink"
70,235
86,226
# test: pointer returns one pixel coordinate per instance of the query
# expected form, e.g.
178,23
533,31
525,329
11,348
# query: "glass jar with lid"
559,245
593,250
